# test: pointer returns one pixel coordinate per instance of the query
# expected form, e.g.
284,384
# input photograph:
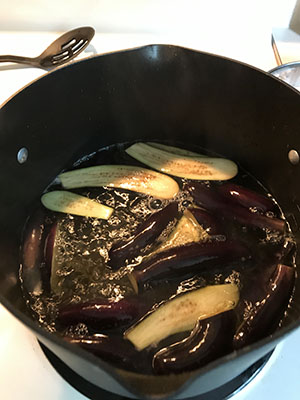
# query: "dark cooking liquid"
82,245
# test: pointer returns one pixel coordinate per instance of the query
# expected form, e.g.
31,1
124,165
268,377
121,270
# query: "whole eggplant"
112,349
265,305
192,257
102,313
212,200
211,338
145,234
246,197
35,253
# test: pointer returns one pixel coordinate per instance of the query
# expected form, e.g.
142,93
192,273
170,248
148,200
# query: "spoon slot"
79,45
60,56
60,60
68,44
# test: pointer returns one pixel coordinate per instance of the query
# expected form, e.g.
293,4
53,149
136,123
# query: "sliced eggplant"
211,338
178,261
175,150
186,231
246,197
199,168
145,235
210,199
118,351
102,313
122,176
71,203
265,312
181,314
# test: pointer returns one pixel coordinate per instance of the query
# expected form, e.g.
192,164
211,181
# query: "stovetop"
25,372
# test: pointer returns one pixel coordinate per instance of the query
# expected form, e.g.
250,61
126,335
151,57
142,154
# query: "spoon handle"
18,59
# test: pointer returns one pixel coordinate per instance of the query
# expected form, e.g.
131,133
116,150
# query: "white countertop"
25,373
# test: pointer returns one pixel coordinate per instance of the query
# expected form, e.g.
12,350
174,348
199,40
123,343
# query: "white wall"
200,17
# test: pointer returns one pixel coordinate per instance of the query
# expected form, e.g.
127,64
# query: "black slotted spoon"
62,50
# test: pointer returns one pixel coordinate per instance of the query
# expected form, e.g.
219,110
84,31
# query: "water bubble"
270,214
234,277
156,204
186,203
65,271
114,220
191,283
78,330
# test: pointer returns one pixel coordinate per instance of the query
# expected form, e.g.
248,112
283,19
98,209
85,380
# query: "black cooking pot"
152,93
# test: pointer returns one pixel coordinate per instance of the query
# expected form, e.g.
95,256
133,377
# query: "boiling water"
80,267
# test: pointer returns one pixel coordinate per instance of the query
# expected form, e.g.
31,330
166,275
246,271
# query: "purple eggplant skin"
145,234
210,199
102,313
210,223
268,309
211,338
192,257
35,269
117,351
246,197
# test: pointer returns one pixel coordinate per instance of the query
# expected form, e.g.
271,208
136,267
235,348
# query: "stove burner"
93,392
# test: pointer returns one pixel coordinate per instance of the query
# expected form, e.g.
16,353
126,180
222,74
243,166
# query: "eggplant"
127,177
145,234
32,252
210,223
211,338
72,203
180,313
267,309
36,253
190,167
187,230
111,349
212,200
102,313
246,197
193,257
175,150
